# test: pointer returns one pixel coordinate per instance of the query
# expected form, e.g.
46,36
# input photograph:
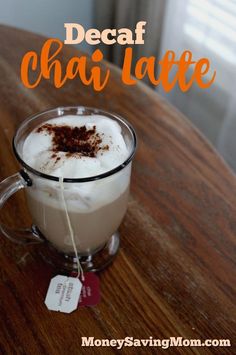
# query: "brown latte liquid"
91,229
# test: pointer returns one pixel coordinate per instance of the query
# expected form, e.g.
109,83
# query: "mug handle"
8,187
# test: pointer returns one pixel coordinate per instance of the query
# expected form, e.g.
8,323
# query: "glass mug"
95,205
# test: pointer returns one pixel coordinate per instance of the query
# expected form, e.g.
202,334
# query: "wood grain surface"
175,271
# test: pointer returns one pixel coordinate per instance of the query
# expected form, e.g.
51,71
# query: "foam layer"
80,197
38,149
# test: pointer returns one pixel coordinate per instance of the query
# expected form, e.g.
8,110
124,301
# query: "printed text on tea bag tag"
90,292
63,294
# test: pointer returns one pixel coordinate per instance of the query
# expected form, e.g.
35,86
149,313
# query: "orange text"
47,65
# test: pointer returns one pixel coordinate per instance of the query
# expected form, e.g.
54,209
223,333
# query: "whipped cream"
103,151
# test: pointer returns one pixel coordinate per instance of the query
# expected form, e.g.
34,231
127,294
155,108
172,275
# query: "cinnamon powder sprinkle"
78,141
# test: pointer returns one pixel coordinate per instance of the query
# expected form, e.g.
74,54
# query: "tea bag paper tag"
90,292
63,294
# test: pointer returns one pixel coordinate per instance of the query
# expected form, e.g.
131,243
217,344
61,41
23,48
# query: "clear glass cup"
96,205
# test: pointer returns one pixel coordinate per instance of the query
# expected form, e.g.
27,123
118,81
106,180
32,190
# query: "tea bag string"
79,267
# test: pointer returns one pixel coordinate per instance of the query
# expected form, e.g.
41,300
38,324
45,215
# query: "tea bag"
64,291
71,232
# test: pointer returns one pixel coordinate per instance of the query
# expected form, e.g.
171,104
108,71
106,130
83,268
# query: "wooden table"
174,274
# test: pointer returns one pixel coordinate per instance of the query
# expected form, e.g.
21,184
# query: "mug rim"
84,179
